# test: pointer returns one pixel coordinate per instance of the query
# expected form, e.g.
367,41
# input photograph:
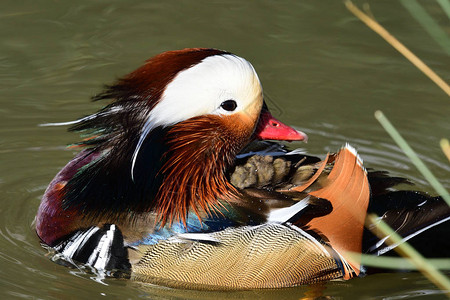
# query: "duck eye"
229,105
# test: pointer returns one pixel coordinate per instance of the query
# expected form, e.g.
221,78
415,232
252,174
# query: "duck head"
172,130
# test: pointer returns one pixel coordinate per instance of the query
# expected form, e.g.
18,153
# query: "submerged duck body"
167,190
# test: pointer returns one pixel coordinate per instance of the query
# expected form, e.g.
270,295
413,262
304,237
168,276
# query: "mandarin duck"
176,186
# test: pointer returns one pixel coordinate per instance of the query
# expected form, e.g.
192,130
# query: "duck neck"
200,151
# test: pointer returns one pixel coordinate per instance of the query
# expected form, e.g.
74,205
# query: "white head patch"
201,89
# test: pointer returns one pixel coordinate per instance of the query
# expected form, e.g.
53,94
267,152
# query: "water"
322,70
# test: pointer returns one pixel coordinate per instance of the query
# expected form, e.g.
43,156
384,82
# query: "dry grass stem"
375,26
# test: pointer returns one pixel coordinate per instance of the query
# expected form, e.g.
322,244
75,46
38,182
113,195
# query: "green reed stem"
445,5
412,156
428,23
388,262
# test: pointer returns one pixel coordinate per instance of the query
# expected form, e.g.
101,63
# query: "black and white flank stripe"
101,248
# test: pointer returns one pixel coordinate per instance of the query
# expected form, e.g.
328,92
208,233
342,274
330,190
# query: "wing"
265,256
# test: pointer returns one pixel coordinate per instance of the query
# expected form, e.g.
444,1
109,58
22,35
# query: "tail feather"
420,219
